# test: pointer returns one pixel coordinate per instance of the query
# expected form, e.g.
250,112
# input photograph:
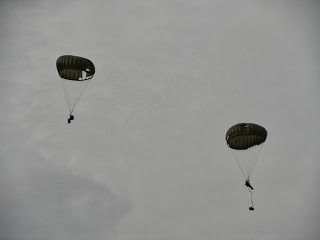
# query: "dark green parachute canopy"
75,68
245,135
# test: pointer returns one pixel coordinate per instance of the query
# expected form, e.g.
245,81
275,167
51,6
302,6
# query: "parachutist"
75,73
70,118
246,138
248,184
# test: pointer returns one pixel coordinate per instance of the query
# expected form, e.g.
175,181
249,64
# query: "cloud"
41,200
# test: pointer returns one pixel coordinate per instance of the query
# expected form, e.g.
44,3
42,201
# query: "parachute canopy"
245,135
75,68
75,73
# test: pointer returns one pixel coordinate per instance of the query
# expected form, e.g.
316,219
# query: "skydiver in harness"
248,184
70,118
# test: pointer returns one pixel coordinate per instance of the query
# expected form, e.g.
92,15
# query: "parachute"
75,73
246,141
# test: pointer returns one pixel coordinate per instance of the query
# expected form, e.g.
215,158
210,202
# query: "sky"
146,157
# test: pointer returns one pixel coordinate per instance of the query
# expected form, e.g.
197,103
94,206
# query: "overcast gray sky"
145,157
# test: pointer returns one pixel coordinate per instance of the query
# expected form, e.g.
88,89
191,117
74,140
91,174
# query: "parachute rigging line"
238,163
73,91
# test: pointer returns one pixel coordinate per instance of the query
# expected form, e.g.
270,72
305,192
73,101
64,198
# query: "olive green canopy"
245,135
75,68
